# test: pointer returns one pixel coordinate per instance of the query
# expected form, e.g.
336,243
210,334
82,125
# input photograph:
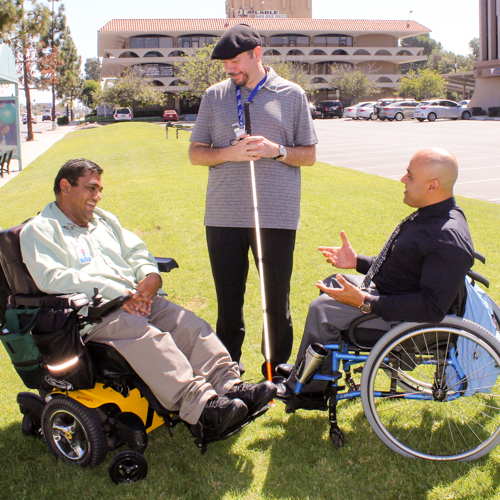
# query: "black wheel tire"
382,119
432,117
390,119
128,466
366,118
73,432
399,117
337,437
373,116
29,428
420,119
465,115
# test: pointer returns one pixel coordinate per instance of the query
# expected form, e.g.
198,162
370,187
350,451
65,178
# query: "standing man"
283,139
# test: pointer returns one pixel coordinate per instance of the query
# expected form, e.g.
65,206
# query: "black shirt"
425,267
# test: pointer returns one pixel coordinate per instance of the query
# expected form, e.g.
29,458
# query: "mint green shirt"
64,258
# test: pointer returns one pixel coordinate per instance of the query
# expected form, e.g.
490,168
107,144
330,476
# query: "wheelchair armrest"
166,264
350,333
73,301
478,277
480,257
96,313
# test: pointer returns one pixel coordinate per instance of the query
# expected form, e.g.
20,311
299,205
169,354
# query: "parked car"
47,115
385,102
170,115
366,111
34,118
398,110
329,109
352,111
312,109
122,114
441,108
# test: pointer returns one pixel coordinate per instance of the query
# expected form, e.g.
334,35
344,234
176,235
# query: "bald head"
430,177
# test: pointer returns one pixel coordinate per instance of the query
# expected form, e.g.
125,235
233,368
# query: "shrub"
62,120
493,111
477,111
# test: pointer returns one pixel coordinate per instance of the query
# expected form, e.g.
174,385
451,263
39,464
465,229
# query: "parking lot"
385,148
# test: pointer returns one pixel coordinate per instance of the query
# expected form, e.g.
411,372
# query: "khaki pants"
175,352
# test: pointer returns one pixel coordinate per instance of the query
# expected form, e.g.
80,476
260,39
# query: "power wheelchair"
80,417
430,391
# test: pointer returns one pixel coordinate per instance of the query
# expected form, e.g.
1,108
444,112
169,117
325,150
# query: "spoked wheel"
73,432
432,391
128,466
432,117
399,117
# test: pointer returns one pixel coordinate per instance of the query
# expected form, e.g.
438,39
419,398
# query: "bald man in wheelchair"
416,277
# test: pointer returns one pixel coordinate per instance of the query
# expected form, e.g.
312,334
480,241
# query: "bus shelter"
10,136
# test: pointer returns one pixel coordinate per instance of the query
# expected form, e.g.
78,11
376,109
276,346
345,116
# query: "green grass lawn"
152,188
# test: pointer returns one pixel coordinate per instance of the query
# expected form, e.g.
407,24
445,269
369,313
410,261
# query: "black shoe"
283,393
221,413
255,396
285,369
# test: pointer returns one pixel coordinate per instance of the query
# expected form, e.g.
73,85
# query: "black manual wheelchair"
430,391
103,405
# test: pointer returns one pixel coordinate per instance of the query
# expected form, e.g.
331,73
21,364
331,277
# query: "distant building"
269,9
157,45
487,69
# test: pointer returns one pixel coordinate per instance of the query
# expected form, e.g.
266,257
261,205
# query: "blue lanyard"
239,103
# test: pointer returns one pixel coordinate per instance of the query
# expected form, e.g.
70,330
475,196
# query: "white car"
352,111
122,114
441,108
366,111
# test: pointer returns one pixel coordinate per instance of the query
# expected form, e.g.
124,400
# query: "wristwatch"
365,308
282,154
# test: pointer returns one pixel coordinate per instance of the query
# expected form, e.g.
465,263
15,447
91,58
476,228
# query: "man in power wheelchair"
137,338
418,277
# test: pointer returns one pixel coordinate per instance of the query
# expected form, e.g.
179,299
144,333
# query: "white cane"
267,349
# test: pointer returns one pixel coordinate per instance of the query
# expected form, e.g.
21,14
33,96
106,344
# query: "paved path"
45,138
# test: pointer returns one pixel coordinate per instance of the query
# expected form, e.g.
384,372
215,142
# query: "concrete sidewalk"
33,149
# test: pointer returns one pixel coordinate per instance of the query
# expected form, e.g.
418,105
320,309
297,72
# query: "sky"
453,22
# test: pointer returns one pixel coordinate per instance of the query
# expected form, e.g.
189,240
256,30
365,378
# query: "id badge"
238,132
82,251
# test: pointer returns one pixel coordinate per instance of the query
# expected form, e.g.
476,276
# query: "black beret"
236,40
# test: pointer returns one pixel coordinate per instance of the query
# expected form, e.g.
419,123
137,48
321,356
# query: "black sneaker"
255,396
221,413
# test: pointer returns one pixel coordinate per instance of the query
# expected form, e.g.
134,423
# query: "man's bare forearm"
206,155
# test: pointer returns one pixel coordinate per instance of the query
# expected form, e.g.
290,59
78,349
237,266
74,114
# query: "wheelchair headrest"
16,273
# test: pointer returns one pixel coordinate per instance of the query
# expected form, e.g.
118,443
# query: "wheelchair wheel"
73,432
432,391
29,428
128,466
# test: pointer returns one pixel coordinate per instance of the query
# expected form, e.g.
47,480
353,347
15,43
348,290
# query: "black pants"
228,249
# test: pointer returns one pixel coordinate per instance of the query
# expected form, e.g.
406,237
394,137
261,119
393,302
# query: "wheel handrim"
456,428
69,435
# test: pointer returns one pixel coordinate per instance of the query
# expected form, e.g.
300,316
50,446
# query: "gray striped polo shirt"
279,112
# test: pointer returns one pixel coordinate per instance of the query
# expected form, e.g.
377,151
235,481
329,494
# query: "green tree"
474,49
70,83
295,72
352,83
133,90
425,41
25,38
90,93
424,84
200,72
11,11
93,69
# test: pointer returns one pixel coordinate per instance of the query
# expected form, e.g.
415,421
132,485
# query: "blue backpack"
478,367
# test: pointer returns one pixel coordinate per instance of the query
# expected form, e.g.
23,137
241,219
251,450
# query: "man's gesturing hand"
343,257
349,294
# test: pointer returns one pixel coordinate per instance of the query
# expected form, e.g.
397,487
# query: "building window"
332,41
154,70
128,54
289,41
196,41
151,42
153,53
